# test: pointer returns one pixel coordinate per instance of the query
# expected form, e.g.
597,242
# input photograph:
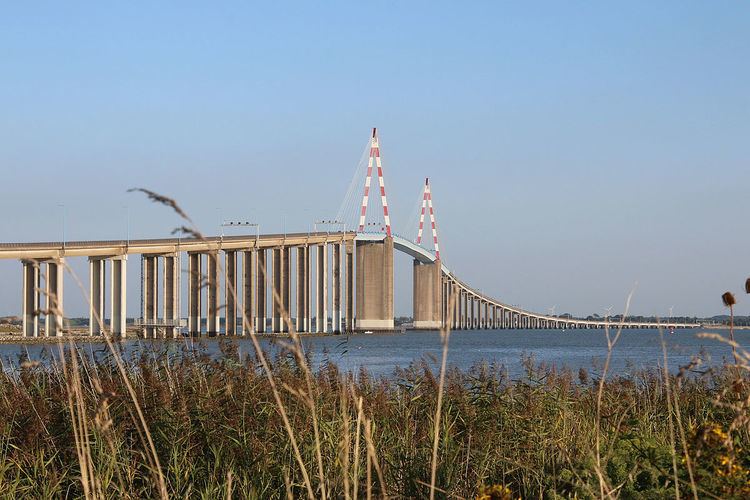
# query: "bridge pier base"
375,285
96,294
195,280
427,295
53,320
118,293
248,292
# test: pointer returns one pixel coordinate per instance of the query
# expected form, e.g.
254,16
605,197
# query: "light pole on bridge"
63,223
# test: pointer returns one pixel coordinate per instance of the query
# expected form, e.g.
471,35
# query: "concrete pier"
171,295
118,296
248,292
260,309
375,285
349,287
195,283
213,300
321,318
336,292
427,301
96,294
31,298
53,319
230,292
303,289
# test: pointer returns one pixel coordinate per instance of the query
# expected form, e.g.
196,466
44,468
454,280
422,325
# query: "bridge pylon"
374,158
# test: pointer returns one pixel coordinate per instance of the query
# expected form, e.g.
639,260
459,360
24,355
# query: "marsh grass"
179,423
216,428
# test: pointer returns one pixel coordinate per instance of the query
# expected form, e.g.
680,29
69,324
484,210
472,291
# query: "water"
380,354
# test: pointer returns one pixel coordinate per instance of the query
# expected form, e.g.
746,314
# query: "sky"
577,151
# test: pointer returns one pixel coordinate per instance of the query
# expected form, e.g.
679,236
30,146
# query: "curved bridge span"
472,309
323,281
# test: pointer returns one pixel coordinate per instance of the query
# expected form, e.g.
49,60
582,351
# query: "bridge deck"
56,249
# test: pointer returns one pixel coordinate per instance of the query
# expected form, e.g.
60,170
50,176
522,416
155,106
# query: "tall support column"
276,291
260,310
286,291
456,306
118,293
472,313
230,292
302,276
171,295
464,310
349,286
321,318
96,295
53,320
30,298
426,299
213,327
336,293
248,292
375,284
149,293
195,283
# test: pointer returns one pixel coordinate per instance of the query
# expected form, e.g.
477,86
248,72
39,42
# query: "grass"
182,424
217,432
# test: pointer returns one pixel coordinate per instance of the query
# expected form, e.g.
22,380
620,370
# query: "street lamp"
241,223
63,223
127,225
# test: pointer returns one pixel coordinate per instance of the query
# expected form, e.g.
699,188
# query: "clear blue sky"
574,149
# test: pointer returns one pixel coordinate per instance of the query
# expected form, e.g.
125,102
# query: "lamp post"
127,225
241,223
63,223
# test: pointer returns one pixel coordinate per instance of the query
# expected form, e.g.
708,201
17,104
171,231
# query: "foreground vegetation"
185,425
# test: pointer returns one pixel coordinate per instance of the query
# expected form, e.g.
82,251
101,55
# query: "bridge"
248,280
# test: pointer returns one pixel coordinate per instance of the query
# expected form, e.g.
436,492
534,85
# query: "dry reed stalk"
345,443
667,388
445,333
373,459
360,415
143,429
259,351
611,342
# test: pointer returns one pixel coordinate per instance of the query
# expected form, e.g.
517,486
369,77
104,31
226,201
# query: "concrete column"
349,286
30,301
96,295
248,292
195,282
260,310
456,306
213,326
302,273
375,285
171,295
462,298
230,292
321,318
426,298
336,292
276,290
53,320
472,312
286,291
118,296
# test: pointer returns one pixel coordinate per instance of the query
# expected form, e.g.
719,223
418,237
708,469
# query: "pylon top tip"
374,131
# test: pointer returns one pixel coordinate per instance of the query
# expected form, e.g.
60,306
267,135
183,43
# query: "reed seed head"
747,285
728,299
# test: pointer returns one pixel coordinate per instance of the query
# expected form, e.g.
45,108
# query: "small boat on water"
368,332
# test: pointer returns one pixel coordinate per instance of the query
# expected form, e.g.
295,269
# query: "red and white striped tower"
374,154
427,203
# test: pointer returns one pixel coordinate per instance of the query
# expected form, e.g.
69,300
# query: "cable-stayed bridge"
263,283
